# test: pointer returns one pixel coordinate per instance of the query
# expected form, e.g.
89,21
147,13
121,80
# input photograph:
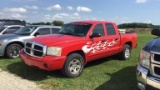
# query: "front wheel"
12,51
125,54
73,66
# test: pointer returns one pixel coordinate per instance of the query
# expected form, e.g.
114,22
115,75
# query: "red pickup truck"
76,44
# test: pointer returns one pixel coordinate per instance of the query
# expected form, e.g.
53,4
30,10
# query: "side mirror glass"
4,32
36,34
95,35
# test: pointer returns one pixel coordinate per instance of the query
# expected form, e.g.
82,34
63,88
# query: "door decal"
95,47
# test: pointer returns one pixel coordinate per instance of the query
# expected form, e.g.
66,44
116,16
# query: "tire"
12,51
73,66
125,54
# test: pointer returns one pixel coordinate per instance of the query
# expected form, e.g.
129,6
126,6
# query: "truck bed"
129,37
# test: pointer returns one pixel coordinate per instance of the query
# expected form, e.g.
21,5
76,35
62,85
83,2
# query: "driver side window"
98,29
43,31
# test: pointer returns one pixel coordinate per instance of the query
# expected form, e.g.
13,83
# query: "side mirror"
36,34
95,35
4,32
155,32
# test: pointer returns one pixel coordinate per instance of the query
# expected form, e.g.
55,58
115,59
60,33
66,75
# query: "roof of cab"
92,22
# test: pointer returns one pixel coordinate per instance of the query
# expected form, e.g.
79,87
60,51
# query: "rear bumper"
48,63
145,80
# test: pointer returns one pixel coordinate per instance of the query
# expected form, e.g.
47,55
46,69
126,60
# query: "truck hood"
57,39
153,45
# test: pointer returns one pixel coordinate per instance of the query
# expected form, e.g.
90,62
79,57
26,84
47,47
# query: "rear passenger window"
110,29
98,29
43,31
55,30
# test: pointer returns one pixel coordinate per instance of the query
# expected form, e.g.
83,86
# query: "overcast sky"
119,11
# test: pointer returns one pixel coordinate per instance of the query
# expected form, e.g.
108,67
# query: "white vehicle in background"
11,44
9,29
122,31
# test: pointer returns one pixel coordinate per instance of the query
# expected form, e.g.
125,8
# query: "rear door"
113,39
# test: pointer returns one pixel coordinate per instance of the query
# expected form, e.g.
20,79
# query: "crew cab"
76,44
11,44
148,68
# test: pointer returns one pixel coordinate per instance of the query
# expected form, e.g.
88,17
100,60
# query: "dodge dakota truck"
11,44
148,68
76,44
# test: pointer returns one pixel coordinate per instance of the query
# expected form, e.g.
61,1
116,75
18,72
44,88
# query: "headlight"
55,51
145,58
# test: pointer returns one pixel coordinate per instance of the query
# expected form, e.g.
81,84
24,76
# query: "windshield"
75,29
26,30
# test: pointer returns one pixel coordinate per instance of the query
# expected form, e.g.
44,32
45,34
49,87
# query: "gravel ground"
11,82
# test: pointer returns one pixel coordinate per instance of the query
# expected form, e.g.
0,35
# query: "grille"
34,49
157,70
157,57
155,64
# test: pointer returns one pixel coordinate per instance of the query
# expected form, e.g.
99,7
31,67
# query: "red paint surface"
96,48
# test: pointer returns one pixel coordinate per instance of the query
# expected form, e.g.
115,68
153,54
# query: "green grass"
103,74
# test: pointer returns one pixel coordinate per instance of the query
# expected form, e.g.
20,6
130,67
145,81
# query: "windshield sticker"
94,47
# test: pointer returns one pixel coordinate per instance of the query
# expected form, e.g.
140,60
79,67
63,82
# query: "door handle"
104,40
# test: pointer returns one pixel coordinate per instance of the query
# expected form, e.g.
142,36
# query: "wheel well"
129,43
79,52
20,43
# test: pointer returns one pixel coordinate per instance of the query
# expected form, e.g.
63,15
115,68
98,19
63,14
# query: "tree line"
123,25
61,23
55,23
138,25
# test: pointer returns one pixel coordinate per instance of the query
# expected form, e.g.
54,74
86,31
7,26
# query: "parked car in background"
9,29
11,44
148,68
77,44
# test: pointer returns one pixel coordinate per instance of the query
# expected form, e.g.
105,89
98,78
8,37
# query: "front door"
96,47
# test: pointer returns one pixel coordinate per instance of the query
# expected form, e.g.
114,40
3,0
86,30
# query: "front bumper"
145,80
2,50
48,63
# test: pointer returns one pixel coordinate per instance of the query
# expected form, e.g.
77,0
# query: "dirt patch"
10,81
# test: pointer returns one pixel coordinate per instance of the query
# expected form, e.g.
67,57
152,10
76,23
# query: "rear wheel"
12,51
125,54
73,66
